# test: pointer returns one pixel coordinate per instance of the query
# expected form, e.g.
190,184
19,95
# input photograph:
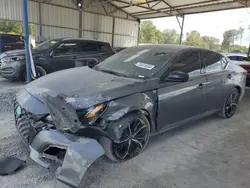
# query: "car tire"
230,105
135,142
39,70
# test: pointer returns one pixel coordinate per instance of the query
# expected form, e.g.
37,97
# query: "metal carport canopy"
147,9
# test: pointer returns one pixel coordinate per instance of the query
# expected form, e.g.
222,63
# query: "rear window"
236,58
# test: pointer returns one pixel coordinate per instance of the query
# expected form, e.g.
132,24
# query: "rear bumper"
80,154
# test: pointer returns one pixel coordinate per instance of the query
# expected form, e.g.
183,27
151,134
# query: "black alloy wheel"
133,140
231,104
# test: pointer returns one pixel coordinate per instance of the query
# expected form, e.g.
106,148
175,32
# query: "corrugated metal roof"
145,9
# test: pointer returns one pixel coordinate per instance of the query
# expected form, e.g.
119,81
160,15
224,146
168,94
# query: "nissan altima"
74,116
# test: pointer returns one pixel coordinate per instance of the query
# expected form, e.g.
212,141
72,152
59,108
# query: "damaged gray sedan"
74,116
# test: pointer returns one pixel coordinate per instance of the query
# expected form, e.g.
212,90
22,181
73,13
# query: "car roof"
81,39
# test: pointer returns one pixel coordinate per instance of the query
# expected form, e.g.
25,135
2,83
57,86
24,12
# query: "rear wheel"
231,104
133,140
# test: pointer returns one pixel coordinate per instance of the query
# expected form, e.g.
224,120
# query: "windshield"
46,45
136,62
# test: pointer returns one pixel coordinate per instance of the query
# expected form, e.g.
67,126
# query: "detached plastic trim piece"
9,165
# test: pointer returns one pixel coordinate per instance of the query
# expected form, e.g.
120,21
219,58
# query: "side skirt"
186,121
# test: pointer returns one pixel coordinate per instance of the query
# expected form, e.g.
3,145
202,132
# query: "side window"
66,47
188,63
88,47
104,47
213,62
7,39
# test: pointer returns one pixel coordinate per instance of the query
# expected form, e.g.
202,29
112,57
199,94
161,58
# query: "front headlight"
13,58
90,115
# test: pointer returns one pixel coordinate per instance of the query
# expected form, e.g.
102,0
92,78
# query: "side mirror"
177,76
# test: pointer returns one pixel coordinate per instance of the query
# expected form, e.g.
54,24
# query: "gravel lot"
210,153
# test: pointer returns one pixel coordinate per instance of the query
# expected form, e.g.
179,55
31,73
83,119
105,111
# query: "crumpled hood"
84,87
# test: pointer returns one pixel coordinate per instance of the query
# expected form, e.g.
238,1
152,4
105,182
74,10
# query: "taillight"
245,72
246,67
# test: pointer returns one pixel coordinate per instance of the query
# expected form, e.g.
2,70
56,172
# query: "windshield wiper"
112,72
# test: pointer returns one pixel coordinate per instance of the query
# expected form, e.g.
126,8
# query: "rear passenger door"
88,54
216,78
64,55
105,51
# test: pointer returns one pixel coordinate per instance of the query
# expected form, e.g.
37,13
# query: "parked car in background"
118,49
74,116
55,55
238,52
10,42
243,61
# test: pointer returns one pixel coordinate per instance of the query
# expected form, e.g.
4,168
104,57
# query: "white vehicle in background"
241,60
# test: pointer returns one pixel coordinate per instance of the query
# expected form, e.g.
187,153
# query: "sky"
211,24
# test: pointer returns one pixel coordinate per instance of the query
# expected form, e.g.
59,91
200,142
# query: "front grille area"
24,121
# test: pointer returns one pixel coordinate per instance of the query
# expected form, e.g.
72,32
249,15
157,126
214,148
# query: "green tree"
15,28
194,39
159,37
149,33
211,43
7,27
229,38
170,36
240,34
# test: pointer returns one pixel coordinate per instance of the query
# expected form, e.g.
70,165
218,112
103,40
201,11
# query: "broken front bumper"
80,154
74,153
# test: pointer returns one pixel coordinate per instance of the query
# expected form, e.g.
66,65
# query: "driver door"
182,101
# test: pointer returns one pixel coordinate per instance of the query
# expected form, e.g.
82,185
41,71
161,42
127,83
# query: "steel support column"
80,23
181,27
26,39
40,20
139,30
113,33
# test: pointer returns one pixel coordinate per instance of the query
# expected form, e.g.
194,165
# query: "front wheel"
231,104
133,140
40,71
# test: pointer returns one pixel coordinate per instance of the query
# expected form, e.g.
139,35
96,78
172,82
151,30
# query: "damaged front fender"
146,102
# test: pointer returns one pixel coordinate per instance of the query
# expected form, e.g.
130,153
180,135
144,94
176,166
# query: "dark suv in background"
10,42
54,55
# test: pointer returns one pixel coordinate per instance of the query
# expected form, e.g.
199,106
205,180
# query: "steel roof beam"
144,3
156,3
151,9
172,8
182,7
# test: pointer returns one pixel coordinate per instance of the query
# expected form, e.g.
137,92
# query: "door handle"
200,86
229,76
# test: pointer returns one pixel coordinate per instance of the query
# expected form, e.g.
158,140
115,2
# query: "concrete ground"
210,153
